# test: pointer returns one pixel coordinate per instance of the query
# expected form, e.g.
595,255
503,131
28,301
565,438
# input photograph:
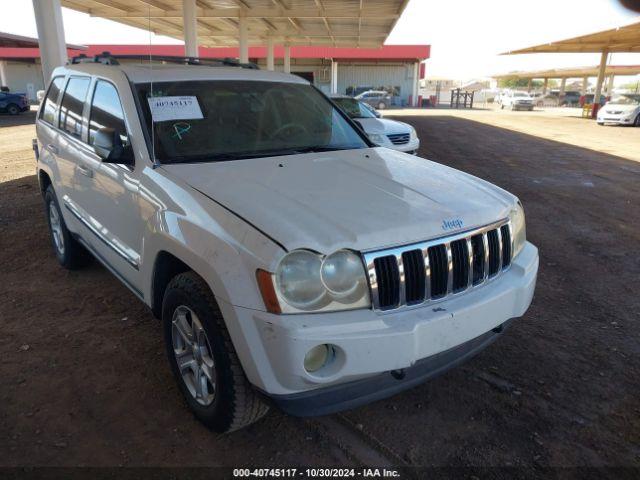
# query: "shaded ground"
85,381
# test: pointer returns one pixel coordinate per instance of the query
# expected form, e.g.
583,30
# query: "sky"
466,36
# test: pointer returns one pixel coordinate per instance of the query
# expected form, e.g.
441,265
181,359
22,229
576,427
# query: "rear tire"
13,109
70,254
382,106
637,122
210,377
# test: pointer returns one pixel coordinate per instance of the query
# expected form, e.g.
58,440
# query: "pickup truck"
291,261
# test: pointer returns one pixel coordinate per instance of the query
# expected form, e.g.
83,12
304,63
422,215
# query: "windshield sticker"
180,129
174,108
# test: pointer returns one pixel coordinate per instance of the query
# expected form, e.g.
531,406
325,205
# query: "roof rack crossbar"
106,58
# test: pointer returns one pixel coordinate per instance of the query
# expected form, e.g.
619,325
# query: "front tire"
68,251
382,106
637,122
203,359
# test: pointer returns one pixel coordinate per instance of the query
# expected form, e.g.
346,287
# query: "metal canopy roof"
341,23
575,72
620,39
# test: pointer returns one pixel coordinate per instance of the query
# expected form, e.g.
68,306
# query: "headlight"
306,282
377,138
518,228
413,133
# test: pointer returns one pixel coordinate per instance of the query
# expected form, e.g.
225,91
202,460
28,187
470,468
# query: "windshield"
626,100
230,120
520,94
353,108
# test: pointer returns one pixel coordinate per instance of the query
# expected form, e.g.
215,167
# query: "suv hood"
360,199
619,107
383,126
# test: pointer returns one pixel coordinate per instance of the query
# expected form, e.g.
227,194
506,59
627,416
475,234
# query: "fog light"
316,358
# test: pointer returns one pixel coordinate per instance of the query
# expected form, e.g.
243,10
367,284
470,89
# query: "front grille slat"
434,270
399,138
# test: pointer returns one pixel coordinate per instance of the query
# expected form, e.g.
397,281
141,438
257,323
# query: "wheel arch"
165,267
44,180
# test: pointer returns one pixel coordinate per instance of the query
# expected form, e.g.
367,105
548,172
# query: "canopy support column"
53,48
287,58
563,86
544,87
334,76
529,84
598,90
271,57
3,74
190,28
243,39
585,85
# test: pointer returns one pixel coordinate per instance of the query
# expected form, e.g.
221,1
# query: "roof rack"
106,58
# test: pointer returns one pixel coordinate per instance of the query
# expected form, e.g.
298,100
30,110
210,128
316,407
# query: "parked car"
291,261
381,131
621,110
516,101
375,98
13,103
571,99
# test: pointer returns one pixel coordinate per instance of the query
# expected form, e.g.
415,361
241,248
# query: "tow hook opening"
398,374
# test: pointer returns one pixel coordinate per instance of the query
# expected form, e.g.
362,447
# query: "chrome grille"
437,269
399,138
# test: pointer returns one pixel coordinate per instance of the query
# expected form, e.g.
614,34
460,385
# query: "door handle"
52,148
87,172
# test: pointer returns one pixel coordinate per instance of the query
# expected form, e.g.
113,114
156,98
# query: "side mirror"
108,146
377,114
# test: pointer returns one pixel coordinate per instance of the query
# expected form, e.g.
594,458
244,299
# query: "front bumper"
272,348
616,120
350,395
523,106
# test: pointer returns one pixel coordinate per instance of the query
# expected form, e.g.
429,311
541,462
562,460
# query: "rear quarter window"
50,106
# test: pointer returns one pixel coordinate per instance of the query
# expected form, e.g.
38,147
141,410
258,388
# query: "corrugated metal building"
394,68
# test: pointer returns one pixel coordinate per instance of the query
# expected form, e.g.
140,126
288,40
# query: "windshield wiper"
223,157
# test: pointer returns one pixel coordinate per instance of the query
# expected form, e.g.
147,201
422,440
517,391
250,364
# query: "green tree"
515,82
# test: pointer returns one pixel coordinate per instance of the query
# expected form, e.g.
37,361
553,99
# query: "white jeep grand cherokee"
291,261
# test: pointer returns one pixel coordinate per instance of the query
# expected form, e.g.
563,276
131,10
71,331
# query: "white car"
516,101
621,110
381,131
290,260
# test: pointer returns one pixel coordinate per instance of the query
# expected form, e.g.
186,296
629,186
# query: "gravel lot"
85,380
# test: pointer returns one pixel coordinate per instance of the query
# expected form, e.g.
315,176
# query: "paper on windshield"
175,108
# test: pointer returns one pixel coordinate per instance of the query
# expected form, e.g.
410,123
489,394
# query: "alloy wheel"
56,228
193,355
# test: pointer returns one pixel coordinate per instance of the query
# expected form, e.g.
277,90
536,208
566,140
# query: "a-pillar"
53,48
190,28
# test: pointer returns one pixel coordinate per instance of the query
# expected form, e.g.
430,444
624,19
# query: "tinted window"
229,120
72,104
106,112
48,113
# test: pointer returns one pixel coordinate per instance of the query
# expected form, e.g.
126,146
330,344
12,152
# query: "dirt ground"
85,381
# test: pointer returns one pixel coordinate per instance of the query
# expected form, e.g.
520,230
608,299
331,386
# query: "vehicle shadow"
26,118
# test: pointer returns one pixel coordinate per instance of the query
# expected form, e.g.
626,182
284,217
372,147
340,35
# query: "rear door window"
50,107
106,112
72,105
